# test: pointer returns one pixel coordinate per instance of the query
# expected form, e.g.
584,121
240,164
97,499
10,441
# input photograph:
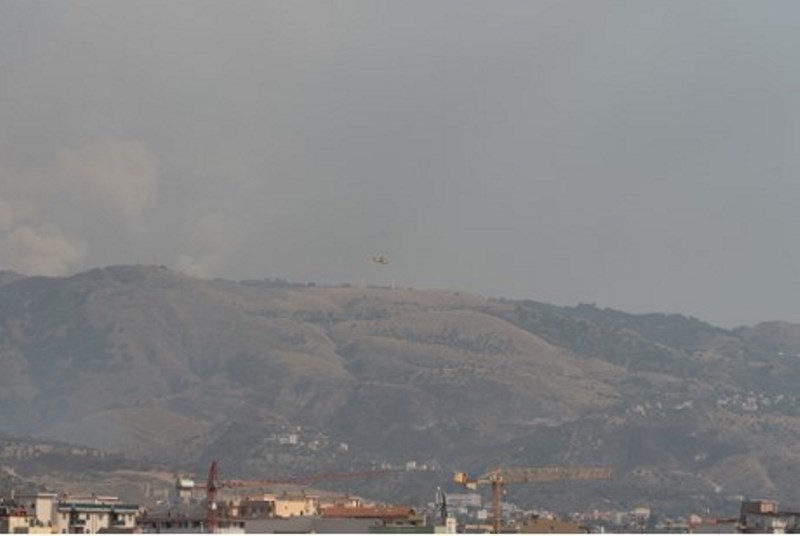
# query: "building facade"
49,513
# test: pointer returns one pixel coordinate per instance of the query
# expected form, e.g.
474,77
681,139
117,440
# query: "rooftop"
373,512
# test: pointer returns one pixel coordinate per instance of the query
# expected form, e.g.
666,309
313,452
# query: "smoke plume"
30,246
40,250
208,237
6,216
123,175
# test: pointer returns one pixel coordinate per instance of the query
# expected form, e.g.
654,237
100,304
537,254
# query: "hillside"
281,379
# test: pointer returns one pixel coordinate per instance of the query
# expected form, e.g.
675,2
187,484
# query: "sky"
636,155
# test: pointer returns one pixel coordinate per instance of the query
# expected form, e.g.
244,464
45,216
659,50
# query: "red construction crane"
213,485
305,480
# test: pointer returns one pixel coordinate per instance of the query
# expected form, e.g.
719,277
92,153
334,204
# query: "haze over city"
638,155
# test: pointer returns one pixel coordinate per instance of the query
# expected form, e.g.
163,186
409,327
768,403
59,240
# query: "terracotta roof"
380,512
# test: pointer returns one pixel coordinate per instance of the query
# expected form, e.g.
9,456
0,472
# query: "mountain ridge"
154,363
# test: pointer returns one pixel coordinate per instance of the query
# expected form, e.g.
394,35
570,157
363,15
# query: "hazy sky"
642,155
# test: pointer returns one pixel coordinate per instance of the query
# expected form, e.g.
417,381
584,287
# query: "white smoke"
209,235
122,175
14,213
6,216
119,176
40,250
32,247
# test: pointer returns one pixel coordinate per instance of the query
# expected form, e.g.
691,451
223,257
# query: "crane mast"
499,478
214,484
212,515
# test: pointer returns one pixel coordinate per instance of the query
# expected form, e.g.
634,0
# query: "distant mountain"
277,379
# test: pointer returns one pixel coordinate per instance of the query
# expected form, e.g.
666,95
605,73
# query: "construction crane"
499,478
214,484
212,516
306,480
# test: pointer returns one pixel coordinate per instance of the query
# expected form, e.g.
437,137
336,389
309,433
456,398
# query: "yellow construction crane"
498,478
